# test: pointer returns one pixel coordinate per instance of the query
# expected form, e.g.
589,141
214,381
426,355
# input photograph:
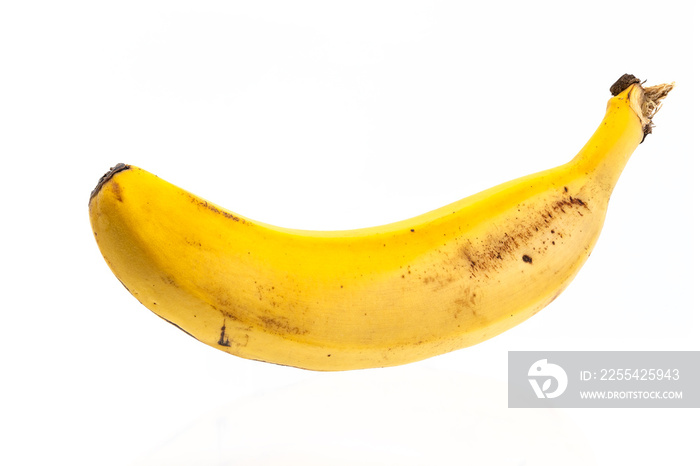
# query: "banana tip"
623,82
108,176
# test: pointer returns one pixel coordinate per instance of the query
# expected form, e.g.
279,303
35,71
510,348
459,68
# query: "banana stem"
648,101
605,155
651,104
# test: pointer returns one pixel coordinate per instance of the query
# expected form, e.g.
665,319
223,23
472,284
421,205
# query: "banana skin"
371,297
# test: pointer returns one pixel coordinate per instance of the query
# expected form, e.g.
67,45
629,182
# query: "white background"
327,115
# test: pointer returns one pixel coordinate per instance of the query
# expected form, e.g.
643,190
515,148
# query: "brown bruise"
493,250
116,190
213,208
223,339
280,325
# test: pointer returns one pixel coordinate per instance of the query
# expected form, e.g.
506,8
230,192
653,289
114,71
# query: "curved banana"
372,297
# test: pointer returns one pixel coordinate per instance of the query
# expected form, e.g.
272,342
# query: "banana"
371,297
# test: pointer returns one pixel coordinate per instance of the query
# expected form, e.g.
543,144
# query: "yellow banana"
371,297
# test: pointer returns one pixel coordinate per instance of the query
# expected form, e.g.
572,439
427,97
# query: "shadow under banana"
411,416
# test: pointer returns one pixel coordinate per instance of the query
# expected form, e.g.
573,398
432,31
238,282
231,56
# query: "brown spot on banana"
280,325
223,339
215,209
170,280
117,190
468,300
491,252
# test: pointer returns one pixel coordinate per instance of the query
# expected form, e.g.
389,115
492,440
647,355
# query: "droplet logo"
546,372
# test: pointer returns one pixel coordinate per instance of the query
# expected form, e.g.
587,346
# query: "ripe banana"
372,297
